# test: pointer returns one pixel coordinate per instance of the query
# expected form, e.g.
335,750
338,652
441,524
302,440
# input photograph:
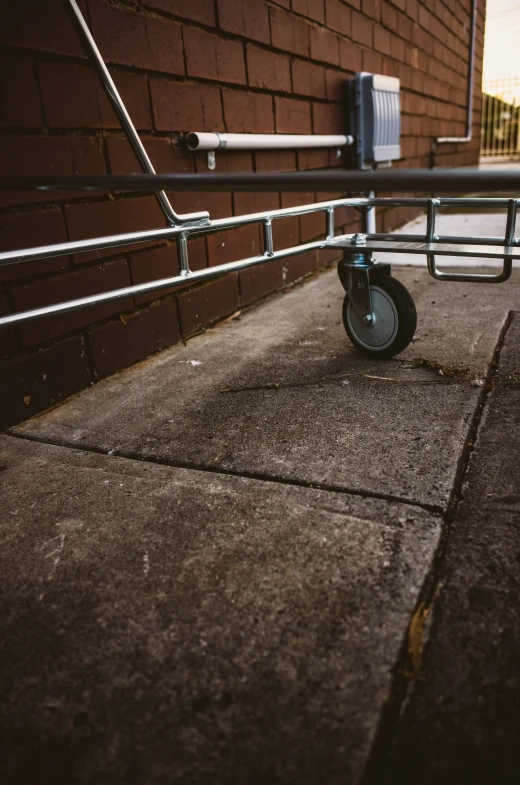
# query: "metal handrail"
425,180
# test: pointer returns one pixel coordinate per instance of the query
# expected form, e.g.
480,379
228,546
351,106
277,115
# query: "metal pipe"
125,119
470,277
136,238
370,220
455,180
197,140
153,286
469,89
220,224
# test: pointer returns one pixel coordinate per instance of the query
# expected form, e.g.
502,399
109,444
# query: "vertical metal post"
268,237
182,248
430,220
511,222
330,223
370,223
125,120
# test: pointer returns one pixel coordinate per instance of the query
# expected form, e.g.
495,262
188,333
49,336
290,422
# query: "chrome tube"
136,238
154,286
125,119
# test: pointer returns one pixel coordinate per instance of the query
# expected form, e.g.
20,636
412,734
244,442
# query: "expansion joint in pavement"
402,683
259,476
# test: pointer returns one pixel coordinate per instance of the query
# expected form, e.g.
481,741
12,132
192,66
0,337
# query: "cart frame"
357,265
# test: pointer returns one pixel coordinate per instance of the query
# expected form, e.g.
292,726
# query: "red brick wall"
233,65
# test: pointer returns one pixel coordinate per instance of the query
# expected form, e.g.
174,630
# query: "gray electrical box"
375,119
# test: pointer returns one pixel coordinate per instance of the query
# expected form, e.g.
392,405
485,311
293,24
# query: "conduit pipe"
469,89
216,141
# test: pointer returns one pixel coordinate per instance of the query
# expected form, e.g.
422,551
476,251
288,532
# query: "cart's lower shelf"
437,248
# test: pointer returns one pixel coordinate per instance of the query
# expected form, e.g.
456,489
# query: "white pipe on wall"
215,141
469,89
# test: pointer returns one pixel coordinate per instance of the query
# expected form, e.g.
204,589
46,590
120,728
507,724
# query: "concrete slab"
462,723
314,419
163,625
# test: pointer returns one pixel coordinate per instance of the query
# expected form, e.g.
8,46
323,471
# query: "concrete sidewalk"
212,560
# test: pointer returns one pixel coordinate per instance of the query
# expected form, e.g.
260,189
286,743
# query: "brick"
254,202
313,159
296,267
289,33
73,97
153,265
324,45
308,79
33,383
130,38
27,230
372,61
234,244
402,25
248,112
312,227
233,161
19,99
45,27
217,204
258,282
8,339
268,70
196,10
275,161
211,57
328,118
361,29
286,232
163,153
297,198
248,18
338,16
389,17
350,56
292,116
412,9
372,8
68,286
96,219
335,84
205,305
381,40
314,9
121,343
186,106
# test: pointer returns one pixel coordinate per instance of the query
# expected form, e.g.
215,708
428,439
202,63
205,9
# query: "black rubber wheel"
395,320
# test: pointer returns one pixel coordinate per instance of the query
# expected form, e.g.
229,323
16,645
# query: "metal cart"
378,312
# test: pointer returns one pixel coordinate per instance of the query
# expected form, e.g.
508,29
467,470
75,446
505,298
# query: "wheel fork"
355,270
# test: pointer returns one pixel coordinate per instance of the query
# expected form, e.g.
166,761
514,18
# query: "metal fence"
500,130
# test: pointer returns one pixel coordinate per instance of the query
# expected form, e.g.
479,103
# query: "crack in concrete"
402,685
260,476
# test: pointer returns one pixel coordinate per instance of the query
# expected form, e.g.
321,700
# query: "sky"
502,39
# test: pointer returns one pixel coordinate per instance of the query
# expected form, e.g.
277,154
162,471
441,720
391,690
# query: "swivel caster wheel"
393,324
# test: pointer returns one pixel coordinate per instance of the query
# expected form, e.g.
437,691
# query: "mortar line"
402,687
437,509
